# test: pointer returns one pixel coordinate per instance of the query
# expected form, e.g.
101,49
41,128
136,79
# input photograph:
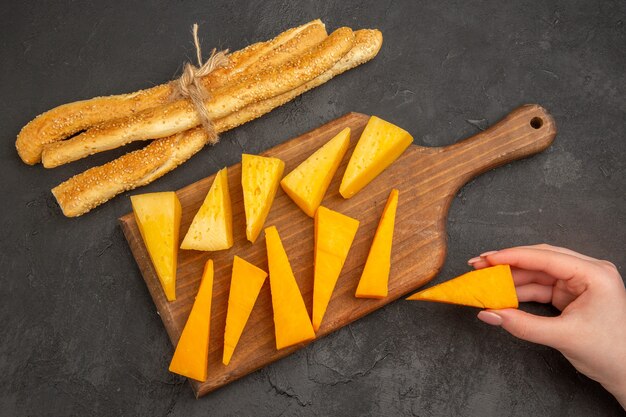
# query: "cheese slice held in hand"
334,233
291,319
245,285
212,226
374,281
158,219
191,356
380,144
491,287
308,182
259,179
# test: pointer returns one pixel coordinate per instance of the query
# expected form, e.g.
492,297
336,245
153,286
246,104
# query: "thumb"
537,329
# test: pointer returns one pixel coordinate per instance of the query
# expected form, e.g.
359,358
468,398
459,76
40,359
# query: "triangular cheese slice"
212,226
259,179
374,281
491,287
291,319
158,219
334,233
308,182
191,355
380,144
245,285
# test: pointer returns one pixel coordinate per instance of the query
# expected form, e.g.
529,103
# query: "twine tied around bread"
189,85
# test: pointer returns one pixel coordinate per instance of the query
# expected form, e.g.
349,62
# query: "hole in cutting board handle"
536,122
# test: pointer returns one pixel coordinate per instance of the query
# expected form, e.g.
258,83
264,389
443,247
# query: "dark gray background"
80,334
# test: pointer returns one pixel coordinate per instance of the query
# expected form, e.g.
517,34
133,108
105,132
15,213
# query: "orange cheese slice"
212,226
334,233
374,281
158,219
380,144
291,319
259,179
491,287
308,182
191,355
245,285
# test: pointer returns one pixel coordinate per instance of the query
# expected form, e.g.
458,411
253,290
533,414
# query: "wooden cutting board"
427,178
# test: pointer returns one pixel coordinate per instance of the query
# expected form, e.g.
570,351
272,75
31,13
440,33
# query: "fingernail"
490,317
491,252
474,260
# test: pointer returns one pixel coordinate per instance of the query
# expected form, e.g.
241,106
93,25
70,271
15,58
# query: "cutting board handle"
526,131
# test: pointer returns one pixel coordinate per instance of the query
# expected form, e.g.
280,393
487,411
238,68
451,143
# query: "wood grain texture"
427,178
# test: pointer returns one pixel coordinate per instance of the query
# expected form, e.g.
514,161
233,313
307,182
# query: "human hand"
590,331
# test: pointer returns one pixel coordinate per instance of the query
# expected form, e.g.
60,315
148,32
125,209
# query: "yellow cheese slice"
259,179
334,233
245,285
374,281
191,356
291,319
491,287
158,219
212,226
378,147
308,182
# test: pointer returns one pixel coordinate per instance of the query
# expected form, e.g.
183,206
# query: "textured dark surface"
80,335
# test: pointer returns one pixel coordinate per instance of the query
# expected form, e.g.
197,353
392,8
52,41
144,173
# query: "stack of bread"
256,80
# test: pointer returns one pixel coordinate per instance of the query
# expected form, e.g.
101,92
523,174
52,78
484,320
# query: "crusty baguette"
97,185
58,153
68,119
180,115
367,43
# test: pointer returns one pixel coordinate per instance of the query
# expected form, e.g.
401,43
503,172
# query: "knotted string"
189,85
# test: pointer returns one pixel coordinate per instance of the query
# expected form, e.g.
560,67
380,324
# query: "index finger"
557,264
545,246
